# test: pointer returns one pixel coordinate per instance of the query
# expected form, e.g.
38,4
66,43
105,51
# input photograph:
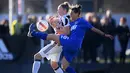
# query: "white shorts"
51,52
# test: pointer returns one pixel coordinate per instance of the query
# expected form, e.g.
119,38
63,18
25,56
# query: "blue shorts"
70,47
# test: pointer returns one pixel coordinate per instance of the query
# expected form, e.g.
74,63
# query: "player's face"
73,15
60,11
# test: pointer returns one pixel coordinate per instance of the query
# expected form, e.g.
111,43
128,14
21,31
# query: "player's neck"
63,14
73,19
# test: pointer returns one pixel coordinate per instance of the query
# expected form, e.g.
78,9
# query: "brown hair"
76,9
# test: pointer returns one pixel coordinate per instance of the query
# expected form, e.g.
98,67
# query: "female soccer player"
52,51
72,43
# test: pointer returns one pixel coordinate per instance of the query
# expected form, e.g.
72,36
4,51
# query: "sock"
40,35
36,66
70,70
58,70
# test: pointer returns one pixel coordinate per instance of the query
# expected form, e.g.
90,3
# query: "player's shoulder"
84,23
82,20
66,20
66,17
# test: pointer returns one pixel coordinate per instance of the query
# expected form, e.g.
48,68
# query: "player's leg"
45,36
56,67
54,55
36,63
39,56
66,66
42,35
68,55
65,41
54,64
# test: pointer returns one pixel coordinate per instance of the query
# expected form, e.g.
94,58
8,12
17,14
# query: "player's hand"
109,36
52,19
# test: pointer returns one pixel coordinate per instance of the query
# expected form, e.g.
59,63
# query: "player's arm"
53,25
65,29
101,33
53,21
66,22
88,25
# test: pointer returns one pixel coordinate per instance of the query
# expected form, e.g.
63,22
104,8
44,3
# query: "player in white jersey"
53,51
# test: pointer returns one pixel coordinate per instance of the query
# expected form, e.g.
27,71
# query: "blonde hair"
65,6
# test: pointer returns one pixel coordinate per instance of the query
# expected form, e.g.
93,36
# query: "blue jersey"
72,44
78,29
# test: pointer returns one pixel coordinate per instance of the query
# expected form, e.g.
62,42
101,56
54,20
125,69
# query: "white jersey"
53,51
64,21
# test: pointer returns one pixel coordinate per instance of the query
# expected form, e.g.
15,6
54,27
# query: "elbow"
67,32
93,29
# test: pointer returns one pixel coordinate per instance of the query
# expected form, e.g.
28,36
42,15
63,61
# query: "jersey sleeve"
65,21
86,24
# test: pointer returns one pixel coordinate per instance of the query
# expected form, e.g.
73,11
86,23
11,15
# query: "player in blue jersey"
72,43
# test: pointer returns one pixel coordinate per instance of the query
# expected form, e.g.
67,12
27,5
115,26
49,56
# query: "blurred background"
98,54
